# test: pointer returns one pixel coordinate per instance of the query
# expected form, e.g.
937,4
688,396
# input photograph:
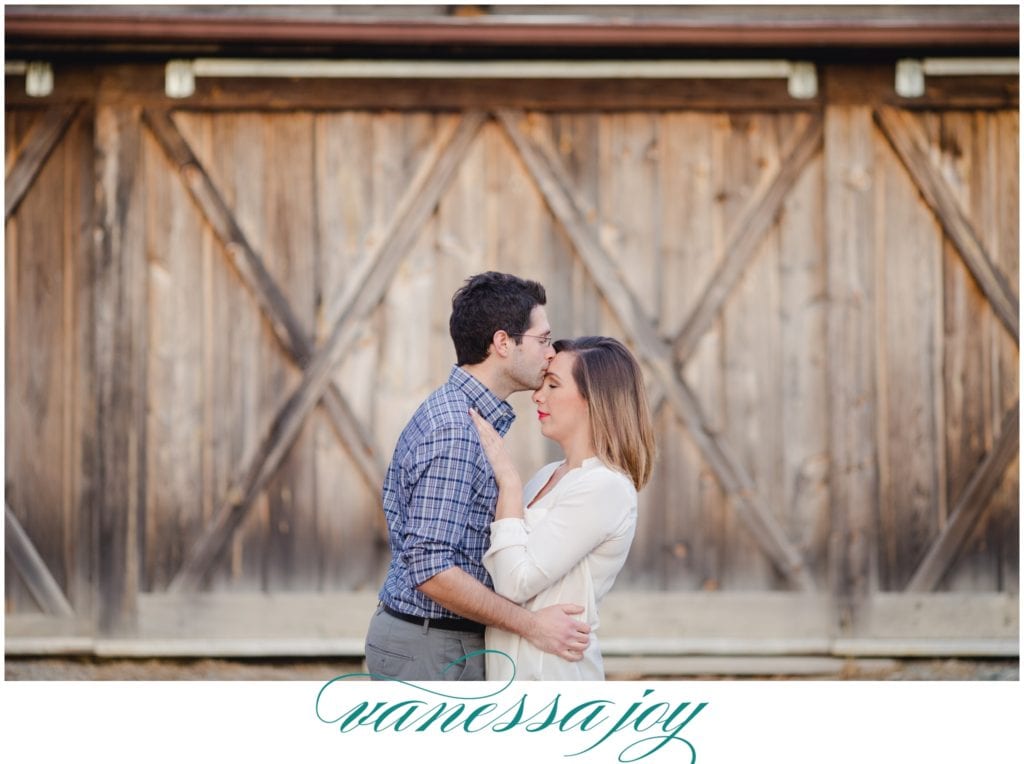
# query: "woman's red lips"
542,414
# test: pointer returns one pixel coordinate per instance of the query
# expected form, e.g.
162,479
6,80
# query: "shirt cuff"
424,566
508,532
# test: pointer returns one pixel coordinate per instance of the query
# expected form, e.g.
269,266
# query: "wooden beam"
851,355
970,507
40,143
416,206
681,29
255,275
37,577
911,146
555,186
746,234
118,355
637,623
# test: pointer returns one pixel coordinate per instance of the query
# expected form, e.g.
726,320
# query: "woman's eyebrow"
552,375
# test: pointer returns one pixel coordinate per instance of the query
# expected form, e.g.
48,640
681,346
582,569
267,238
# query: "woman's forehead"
561,364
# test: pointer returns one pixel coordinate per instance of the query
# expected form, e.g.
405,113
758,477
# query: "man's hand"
554,631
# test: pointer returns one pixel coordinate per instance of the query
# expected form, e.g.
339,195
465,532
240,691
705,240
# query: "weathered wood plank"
694,164
655,352
118,356
353,529
749,347
360,298
970,506
850,357
33,570
972,333
748,230
40,143
81,424
804,409
292,551
640,624
175,391
240,352
907,140
912,497
38,368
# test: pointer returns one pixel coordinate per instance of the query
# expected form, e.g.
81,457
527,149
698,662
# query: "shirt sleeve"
440,503
523,562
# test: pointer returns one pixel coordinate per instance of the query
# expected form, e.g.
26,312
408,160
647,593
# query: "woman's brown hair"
611,382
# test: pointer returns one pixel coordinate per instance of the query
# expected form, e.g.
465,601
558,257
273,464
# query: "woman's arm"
522,564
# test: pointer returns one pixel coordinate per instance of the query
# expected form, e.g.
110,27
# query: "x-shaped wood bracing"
364,291
377,268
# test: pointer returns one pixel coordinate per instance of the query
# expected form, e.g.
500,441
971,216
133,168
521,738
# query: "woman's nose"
536,395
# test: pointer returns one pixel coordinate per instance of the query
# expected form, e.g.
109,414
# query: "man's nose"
550,353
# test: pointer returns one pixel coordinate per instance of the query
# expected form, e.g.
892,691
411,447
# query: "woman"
564,536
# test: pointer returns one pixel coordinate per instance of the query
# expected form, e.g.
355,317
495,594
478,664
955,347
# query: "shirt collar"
496,411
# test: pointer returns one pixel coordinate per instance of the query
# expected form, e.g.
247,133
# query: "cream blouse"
568,548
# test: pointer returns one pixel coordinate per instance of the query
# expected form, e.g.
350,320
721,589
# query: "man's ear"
502,343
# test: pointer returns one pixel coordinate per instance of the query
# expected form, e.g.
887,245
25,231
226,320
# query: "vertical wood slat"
33,570
850,252
690,150
118,355
290,547
35,394
359,299
80,307
910,397
45,136
805,404
911,147
748,337
653,349
970,506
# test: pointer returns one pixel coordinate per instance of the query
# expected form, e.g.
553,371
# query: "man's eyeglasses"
544,341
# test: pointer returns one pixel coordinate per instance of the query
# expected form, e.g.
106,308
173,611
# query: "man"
440,495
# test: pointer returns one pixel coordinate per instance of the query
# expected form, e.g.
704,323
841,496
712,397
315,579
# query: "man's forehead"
539,321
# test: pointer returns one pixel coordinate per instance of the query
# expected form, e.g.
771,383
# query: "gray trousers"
397,649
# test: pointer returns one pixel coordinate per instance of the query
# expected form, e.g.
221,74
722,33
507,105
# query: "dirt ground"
92,669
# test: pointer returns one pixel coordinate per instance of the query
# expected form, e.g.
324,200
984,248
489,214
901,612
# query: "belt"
449,624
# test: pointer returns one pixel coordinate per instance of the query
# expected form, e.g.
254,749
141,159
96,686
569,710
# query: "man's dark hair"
486,303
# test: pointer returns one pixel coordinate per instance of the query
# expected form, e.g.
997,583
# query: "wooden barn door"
820,294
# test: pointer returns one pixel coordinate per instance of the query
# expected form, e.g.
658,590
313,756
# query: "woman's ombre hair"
611,382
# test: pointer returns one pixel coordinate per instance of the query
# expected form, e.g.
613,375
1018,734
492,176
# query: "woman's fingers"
483,426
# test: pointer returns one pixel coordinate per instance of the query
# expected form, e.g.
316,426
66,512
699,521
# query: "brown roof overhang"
234,26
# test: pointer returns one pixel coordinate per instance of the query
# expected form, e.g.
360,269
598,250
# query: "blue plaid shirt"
440,494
